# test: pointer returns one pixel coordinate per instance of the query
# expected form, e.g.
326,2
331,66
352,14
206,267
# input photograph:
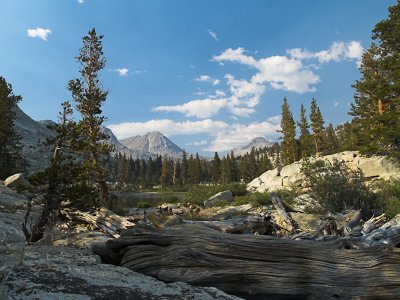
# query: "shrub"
388,196
335,186
255,199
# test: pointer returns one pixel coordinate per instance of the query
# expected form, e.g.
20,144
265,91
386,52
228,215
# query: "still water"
122,202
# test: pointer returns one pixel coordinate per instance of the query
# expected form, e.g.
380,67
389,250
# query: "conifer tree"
317,126
11,160
184,168
288,130
305,137
376,109
216,168
60,176
89,96
331,142
166,172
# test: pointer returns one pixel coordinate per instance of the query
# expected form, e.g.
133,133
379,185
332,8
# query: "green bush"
388,196
335,186
288,195
199,193
255,199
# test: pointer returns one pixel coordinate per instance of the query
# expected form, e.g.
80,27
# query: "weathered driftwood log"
261,265
103,219
285,220
373,224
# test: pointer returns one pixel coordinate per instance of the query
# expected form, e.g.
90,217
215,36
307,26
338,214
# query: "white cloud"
167,127
280,72
122,71
336,104
203,78
295,73
338,51
214,36
198,143
238,135
38,33
81,1
204,108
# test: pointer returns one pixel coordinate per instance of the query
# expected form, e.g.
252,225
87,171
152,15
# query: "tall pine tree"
11,160
376,109
305,136
288,130
89,96
317,126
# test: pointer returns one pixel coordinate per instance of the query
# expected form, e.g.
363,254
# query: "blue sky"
210,74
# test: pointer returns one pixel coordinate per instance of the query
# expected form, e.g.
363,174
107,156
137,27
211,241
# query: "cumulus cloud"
237,135
204,108
81,1
122,71
167,127
38,32
294,72
280,72
213,35
338,51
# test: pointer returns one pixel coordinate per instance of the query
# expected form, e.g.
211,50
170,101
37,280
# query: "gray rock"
222,196
66,273
10,199
304,203
16,180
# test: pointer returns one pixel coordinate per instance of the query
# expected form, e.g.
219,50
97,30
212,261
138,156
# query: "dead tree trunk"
260,265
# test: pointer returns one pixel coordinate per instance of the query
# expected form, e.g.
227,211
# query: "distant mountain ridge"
257,143
33,135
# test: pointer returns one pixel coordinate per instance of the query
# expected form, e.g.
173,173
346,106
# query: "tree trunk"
264,266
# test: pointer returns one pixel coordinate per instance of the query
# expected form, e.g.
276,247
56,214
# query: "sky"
209,74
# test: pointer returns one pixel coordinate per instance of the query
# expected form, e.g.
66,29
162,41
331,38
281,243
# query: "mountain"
257,143
152,144
33,135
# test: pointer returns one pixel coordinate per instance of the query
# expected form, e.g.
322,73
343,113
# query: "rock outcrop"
290,175
49,272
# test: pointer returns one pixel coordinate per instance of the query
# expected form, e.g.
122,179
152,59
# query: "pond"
122,202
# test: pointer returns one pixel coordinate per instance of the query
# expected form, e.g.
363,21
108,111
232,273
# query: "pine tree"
376,109
60,176
305,137
184,168
288,130
347,137
317,126
166,172
90,97
331,145
216,168
11,160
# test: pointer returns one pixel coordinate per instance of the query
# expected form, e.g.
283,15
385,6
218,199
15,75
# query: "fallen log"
102,219
260,265
284,219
